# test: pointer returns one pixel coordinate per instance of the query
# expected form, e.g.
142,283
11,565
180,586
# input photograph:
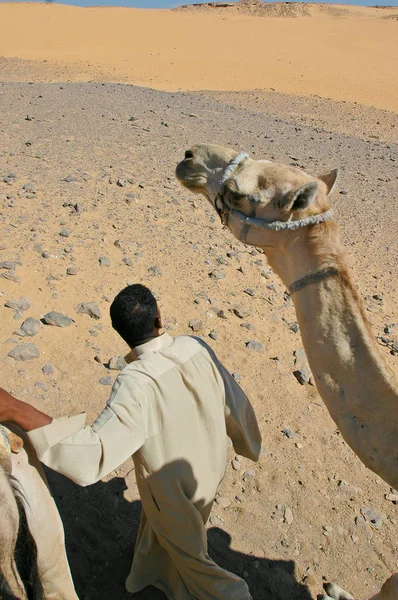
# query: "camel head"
247,193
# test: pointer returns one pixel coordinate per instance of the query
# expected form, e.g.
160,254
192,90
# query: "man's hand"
7,402
21,413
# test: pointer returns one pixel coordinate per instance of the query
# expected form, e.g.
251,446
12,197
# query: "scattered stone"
196,324
294,327
41,386
57,319
344,486
130,197
254,346
71,271
117,363
24,352
89,308
31,326
392,496
70,179
240,312
106,380
21,304
223,502
64,233
249,292
120,183
302,375
248,326
128,262
213,334
216,521
237,376
288,516
248,475
10,265
104,261
288,433
217,274
155,271
374,518
235,465
48,370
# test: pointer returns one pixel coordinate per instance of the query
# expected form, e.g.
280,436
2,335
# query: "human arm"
21,413
86,454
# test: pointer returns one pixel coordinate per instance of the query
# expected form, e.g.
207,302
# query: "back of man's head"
134,314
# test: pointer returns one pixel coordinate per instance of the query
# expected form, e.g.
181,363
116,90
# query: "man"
170,409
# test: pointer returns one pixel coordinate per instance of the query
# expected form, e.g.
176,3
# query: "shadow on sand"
101,527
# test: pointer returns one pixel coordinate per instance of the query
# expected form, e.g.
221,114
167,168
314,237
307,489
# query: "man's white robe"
171,409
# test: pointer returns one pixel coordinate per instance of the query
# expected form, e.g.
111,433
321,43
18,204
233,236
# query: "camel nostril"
188,154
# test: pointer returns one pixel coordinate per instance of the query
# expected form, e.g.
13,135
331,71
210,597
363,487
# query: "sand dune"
352,57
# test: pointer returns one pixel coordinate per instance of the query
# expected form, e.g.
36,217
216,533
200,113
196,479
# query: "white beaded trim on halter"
271,225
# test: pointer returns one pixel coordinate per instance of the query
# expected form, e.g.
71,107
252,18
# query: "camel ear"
329,179
300,198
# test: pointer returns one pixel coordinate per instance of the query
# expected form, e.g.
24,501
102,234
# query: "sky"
173,3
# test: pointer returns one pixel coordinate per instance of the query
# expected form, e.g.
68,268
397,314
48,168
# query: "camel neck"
352,377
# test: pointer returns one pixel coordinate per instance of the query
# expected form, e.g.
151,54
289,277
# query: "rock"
300,357
106,380
127,261
64,233
104,261
240,312
344,486
392,496
89,308
130,197
288,433
248,475
71,271
120,183
254,346
288,516
155,271
217,274
24,352
10,265
117,363
235,465
249,292
41,386
213,334
48,370
57,319
294,327
248,326
237,376
196,324
31,326
223,502
21,304
216,521
371,516
302,375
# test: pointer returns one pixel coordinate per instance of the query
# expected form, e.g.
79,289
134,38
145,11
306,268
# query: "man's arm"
84,454
21,413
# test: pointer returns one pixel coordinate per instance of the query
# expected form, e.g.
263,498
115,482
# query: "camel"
286,212
33,563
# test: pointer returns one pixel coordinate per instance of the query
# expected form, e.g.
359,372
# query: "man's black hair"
133,313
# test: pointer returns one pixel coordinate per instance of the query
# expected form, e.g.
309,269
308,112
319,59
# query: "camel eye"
188,154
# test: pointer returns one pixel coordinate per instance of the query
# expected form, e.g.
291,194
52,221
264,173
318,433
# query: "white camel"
286,212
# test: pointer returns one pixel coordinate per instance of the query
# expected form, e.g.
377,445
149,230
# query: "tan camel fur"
26,496
355,382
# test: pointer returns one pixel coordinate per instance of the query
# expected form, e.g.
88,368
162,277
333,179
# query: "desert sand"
89,203
352,57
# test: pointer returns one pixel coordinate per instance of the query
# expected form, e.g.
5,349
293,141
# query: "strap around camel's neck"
314,277
224,211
